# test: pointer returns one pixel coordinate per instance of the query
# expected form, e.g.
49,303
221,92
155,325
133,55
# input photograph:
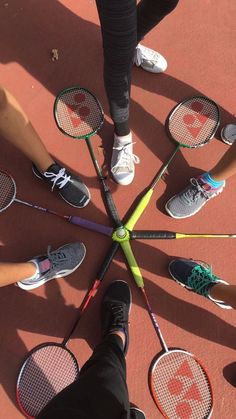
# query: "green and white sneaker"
192,199
55,264
149,59
196,277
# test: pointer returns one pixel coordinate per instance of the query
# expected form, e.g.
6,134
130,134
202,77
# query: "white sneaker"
228,134
123,160
149,59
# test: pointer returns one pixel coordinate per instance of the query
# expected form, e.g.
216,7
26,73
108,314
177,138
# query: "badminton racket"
191,124
50,367
178,382
162,234
8,196
78,114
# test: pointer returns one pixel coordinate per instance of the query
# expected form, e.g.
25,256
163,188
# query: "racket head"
7,190
180,386
45,371
78,113
193,122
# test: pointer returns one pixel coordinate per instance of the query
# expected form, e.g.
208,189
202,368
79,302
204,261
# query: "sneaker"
196,277
123,161
191,199
55,264
115,309
149,59
70,186
228,134
136,413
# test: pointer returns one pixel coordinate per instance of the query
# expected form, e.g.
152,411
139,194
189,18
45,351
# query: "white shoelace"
142,53
60,179
125,157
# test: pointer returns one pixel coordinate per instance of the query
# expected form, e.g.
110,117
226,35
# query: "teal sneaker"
196,277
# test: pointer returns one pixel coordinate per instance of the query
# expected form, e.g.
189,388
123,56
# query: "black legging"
123,25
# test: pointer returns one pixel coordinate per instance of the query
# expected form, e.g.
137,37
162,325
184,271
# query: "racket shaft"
82,222
100,275
132,263
107,194
154,321
146,198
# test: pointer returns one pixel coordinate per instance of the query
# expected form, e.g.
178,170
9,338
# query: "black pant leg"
118,20
101,390
150,13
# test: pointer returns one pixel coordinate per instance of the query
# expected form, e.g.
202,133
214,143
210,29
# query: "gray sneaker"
55,264
191,199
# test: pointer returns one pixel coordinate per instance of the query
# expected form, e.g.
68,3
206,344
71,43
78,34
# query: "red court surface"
198,40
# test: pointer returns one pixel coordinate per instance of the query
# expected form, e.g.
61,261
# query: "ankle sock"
124,139
206,178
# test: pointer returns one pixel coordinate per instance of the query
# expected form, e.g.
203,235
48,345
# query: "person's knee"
3,98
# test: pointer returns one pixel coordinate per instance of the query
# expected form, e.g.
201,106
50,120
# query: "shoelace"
143,54
192,194
60,179
118,314
57,258
201,279
125,157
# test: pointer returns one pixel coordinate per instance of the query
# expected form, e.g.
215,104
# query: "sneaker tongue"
54,168
44,265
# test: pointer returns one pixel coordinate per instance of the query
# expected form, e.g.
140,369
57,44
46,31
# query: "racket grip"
152,234
107,261
132,263
90,225
139,210
111,207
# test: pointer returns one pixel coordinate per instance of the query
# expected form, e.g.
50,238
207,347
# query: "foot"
228,134
115,310
136,413
192,199
149,59
196,277
123,160
55,264
70,186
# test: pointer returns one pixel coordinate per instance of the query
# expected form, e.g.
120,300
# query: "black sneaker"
136,413
70,186
115,309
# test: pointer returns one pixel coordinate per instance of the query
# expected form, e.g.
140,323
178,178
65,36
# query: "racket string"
180,386
45,373
7,190
78,113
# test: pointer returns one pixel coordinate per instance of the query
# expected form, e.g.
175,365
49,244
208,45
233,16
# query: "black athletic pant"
123,25
101,390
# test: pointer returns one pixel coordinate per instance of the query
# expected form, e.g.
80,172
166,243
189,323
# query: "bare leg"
13,272
17,129
226,293
226,167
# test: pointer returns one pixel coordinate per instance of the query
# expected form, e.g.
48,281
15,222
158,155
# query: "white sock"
124,139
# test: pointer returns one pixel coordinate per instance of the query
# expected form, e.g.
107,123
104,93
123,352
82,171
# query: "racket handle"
152,234
132,263
139,210
111,205
90,225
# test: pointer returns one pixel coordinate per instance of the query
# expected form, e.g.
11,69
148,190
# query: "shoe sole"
193,213
43,281
74,206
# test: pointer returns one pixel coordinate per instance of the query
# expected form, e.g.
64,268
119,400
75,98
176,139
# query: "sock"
206,178
41,267
124,139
